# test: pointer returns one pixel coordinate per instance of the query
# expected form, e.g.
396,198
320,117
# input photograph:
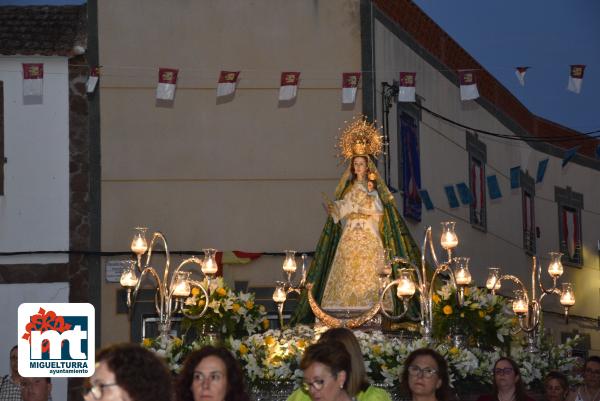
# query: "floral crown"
359,138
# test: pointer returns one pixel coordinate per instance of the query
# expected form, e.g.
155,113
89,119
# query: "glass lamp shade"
555,267
181,286
289,264
209,265
462,273
519,304
139,245
493,280
128,277
406,285
279,295
567,295
449,238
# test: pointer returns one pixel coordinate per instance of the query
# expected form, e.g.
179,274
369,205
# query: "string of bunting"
167,82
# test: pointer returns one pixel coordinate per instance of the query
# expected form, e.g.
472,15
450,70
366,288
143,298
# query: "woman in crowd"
425,376
327,369
556,386
211,374
358,384
129,372
507,384
590,389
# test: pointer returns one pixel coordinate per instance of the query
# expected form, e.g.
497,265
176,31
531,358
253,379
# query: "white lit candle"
493,282
555,268
406,286
289,264
128,278
449,239
138,244
209,267
567,297
519,306
182,286
463,277
279,295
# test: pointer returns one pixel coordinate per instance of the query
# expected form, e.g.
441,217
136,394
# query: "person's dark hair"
236,386
561,378
13,348
520,392
332,354
138,371
366,158
357,379
593,358
443,393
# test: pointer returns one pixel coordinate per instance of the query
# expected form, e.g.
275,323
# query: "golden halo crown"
359,138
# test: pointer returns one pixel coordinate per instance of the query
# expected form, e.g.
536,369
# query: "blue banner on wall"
569,154
426,199
493,187
466,197
515,177
542,165
451,195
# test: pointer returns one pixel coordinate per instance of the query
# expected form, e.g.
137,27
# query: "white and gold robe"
353,280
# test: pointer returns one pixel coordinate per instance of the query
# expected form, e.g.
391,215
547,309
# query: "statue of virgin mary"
363,221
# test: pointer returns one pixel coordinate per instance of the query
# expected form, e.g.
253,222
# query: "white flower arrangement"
234,313
275,356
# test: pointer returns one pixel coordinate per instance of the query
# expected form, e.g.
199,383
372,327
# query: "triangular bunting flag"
350,81
407,88
289,85
167,81
468,85
569,155
92,79
576,78
541,170
227,83
33,79
520,73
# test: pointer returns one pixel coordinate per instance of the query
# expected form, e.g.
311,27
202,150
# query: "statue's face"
360,167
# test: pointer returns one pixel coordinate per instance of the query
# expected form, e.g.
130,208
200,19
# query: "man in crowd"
36,388
10,386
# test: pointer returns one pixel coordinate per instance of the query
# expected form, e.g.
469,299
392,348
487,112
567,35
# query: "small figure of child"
371,184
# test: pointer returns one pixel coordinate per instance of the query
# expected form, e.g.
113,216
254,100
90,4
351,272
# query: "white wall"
34,212
13,295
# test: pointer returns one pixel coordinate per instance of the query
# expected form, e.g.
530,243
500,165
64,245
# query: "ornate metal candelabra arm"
283,288
528,308
173,288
